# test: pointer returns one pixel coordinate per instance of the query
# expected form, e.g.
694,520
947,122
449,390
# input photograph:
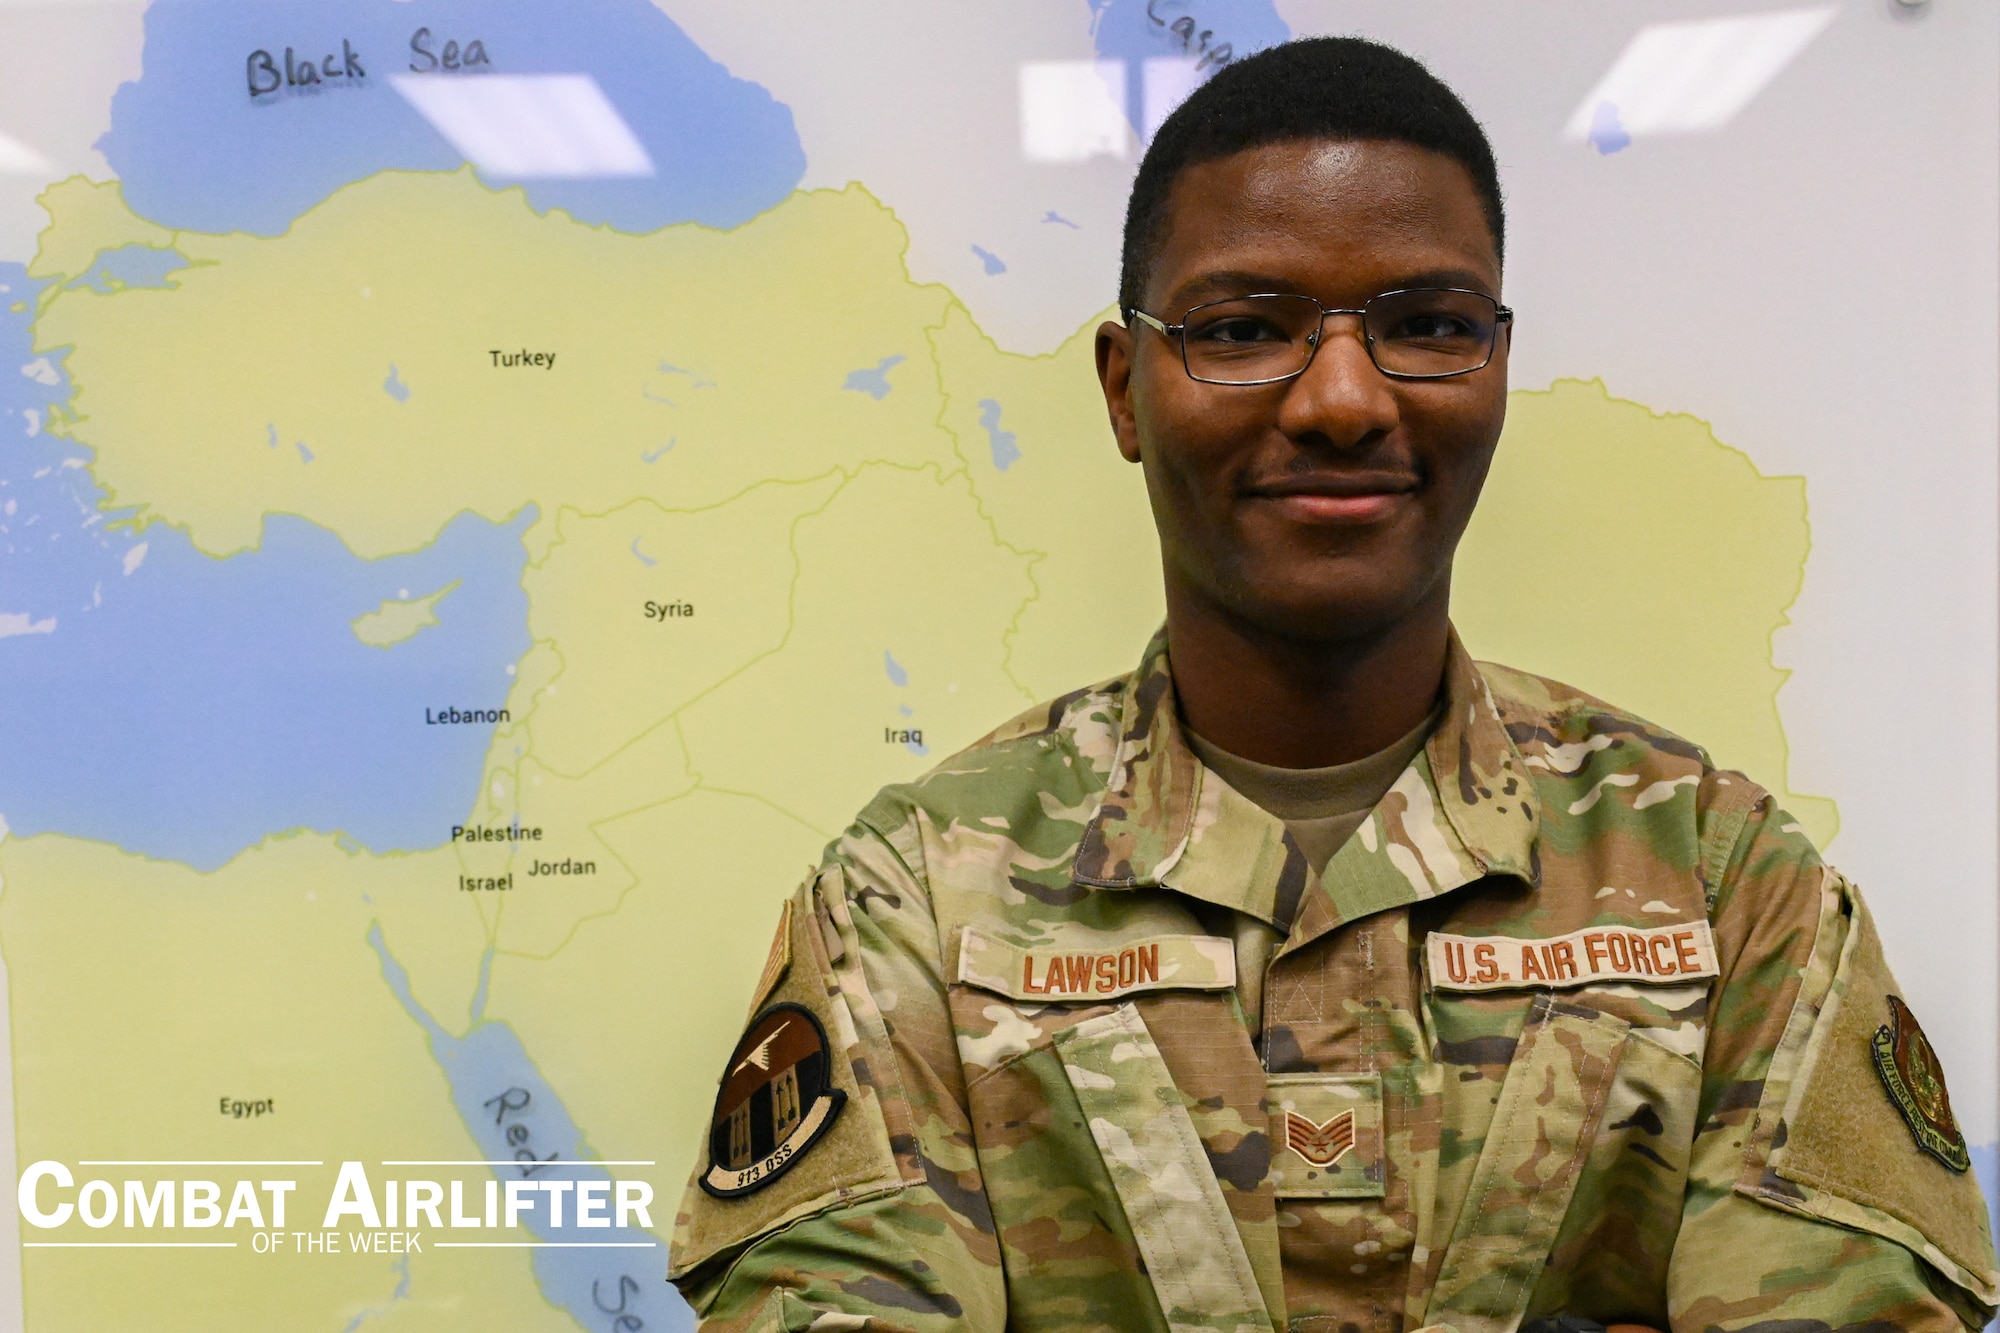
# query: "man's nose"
1341,397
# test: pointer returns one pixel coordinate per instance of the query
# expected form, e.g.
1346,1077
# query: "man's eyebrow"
1224,283
1463,278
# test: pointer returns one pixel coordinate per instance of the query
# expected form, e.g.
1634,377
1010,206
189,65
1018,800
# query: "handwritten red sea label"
1646,955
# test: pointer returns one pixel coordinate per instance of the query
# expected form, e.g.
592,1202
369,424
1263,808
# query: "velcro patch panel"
1326,1136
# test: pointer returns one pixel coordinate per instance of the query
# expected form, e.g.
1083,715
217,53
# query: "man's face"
1325,508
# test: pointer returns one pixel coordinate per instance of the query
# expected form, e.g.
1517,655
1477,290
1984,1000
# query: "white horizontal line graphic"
201,1163
575,1161
545,1244
128,1244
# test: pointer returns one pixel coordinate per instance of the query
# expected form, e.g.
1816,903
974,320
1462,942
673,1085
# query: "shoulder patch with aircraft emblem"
777,1101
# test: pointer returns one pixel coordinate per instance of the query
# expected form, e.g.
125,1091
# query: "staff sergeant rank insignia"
777,1099
1322,1145
1911,1073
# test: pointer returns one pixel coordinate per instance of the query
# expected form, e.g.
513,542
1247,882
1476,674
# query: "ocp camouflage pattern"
1688,1151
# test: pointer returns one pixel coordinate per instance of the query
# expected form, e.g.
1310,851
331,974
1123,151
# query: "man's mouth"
1335,497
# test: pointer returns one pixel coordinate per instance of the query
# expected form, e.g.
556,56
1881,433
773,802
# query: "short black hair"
1316,88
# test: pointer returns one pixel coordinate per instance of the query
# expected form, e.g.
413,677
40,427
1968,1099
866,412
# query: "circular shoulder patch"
777,1099
1915,1080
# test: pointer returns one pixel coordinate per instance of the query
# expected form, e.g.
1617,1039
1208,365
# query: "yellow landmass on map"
398,619
632,1018
94,218
900,567
650,607
1634,555
687,363
751,589
1069,498
631,1008
144,995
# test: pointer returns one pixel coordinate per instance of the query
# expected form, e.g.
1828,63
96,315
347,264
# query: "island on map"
398,618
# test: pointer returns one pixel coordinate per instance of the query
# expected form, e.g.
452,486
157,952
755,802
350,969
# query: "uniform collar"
1463,809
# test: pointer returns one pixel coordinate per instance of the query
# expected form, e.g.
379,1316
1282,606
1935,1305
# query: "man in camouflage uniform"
1314,975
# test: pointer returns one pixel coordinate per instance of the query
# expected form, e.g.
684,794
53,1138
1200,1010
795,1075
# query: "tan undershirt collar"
1321,807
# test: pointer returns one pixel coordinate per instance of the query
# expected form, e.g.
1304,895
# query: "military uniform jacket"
1575,1023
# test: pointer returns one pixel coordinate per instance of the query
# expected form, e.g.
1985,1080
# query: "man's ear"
1114,374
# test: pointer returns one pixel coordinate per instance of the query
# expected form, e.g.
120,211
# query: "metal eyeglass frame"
1502,317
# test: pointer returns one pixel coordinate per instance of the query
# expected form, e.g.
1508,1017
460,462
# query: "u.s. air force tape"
1647,955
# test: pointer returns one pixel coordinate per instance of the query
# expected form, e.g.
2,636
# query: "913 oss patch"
776,1102
1915,1080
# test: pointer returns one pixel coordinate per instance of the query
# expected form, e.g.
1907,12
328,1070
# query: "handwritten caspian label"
1647,955
1095,968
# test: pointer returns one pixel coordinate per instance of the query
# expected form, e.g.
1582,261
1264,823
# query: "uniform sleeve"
879,1219
1823,1192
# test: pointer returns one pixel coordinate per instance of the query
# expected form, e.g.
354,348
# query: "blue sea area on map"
182,706
195,149
132,266
512,1113
1209,32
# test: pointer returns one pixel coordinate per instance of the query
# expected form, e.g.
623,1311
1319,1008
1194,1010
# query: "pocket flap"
1194,1254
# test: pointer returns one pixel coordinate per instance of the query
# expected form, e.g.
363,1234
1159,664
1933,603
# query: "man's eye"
1435,327
1238,330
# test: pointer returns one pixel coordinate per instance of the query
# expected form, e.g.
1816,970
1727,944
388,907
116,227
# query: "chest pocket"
1122,1195
1545,1124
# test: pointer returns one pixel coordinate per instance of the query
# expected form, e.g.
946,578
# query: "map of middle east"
443,615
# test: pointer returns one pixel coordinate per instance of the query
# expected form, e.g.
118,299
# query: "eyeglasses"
1422,333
